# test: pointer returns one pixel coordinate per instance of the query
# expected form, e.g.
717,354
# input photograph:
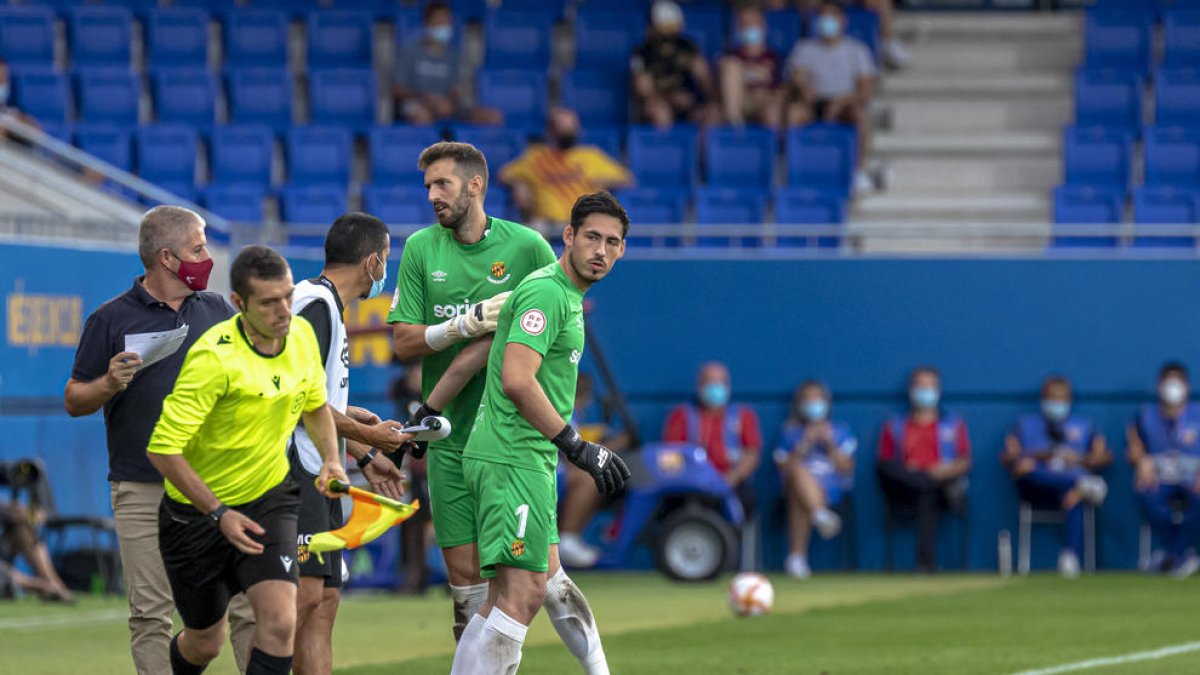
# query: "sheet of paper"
154,347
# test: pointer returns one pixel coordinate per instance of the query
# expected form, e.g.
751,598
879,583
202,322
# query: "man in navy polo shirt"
171,294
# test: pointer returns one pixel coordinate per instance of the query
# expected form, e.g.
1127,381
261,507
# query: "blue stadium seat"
468,10
517,40
783,31
1085,206
803,206
108,143
43,95
729,206
260,96
256,38
822,157
1172,158
741,158
101,36
1181,39
1108,98
379,10
705,23
498,203
1165,207
499,145
242,155
650,206
555,9
607,139
338,39
312,204
186,95
166,156
295,9
409,24
319,155
600,97
400,204
109,96
394,151
177,37
220,9
606,38
343,97
862,25
520,94
663,159
1177,97
1097,157
239,203
27,36
1117,39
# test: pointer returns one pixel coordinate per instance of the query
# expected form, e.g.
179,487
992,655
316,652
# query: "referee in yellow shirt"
227,523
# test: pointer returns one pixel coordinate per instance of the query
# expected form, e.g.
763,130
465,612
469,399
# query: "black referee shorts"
205,570
318,513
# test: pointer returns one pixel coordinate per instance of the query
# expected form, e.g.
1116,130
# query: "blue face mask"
714,394
925,397
752,37
1056,411
815,410
377,284
440,34
829,26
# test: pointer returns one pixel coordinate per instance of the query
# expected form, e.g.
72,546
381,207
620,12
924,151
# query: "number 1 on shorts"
522,513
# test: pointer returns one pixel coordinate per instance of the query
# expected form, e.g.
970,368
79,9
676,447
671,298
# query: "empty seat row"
1103,158
1124,38
1113,98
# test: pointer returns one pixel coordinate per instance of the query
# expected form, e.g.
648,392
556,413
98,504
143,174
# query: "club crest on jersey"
518,548
499,273
533,322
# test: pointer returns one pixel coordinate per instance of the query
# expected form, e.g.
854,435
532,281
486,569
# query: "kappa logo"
287,563
499,273
533,322
437,275
518,548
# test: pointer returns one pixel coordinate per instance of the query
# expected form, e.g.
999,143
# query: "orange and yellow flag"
372,516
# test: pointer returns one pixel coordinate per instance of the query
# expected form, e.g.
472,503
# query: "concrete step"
907,84
957,56
950,207
949,238
940,145
983,26
977,174
950,114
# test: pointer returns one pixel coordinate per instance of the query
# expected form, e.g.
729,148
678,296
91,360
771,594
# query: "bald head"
168,227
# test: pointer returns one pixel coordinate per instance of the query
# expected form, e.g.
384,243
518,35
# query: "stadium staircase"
970,133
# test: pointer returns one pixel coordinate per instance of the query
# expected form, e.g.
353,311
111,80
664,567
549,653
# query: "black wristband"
216,514
366,459
424,411
567,440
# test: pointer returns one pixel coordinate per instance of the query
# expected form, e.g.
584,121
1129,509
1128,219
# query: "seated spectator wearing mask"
833,80
1164,448
815,458
924,458
429,69
728,432
1051,456
749,75
671,78
549,176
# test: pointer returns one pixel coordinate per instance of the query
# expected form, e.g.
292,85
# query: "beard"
454,216
583,268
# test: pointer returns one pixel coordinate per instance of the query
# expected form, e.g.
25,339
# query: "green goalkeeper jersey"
545,313
440,277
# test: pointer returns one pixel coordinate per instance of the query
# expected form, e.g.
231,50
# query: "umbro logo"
438,275
287,563
275,381
224,340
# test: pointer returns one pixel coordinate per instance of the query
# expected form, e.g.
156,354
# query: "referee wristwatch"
367,458
216,514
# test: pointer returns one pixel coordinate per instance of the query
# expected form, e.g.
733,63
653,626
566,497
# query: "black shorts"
318,513
205,570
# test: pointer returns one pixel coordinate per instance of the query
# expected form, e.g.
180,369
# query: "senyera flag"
372,516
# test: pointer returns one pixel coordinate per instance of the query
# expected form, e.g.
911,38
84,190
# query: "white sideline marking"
65,620
1151,655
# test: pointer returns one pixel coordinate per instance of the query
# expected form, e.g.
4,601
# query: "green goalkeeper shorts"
516,515
451,504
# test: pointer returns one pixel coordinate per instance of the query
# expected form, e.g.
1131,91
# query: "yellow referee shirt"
233,409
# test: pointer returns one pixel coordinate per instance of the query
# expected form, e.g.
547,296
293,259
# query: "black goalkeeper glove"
606,468
416,448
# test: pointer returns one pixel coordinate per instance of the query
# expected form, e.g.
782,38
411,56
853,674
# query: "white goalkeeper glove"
479,319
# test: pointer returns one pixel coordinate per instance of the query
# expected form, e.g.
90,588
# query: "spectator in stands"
895,54
833,80
751,90
405,395
429,69
671,78
19,532
728,432
924,458
548,177
1164,448
815,458
597,423
1051,456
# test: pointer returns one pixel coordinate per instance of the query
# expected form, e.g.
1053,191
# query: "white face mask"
1173,391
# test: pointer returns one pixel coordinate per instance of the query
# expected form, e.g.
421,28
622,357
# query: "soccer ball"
751,594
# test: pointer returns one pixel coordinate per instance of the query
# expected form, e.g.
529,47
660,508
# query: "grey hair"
164,227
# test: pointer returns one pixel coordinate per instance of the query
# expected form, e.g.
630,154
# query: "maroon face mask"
194,274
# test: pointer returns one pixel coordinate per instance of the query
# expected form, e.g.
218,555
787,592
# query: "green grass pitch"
830,624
